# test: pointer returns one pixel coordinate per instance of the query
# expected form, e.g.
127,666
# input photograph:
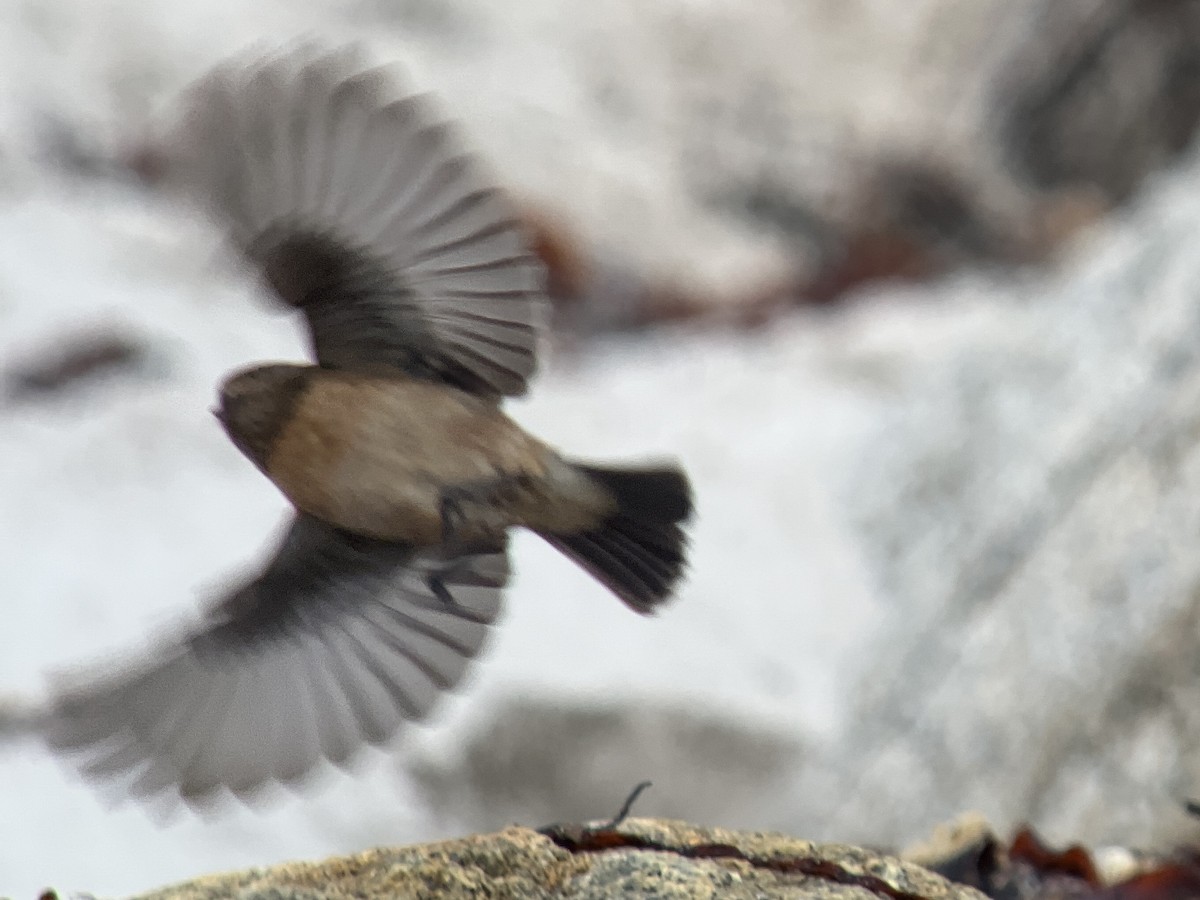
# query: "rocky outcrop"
1030,507
638,858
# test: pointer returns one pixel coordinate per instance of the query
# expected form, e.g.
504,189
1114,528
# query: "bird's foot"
442,593
481,509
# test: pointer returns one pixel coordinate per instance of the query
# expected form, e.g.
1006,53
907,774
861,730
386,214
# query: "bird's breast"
378,456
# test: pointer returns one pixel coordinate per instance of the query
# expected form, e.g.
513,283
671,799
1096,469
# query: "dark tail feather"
639,552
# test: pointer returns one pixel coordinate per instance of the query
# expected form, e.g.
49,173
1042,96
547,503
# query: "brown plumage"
384,456
354,205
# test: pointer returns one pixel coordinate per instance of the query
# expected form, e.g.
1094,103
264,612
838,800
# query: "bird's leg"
460,570
452,505
467,510
450,508
441,592
475,513
480,507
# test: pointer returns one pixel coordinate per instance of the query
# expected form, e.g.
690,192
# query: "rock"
532,760
72,361
1025,868
954,847
984,134
818,146
1101,95
1029,507
638,858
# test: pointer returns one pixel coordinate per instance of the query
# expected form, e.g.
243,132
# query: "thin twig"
626,807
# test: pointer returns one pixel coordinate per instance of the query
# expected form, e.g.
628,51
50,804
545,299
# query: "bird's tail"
639,551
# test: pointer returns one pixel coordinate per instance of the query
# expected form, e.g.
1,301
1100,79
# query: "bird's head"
257,403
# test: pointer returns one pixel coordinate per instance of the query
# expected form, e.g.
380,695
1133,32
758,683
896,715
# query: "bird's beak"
219,414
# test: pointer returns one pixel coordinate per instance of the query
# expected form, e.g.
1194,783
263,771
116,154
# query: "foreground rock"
639,858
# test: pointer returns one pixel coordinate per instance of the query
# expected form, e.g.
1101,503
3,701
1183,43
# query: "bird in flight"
353,202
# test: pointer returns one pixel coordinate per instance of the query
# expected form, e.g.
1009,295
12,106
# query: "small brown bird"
424,306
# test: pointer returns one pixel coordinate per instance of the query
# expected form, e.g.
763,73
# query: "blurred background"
910,289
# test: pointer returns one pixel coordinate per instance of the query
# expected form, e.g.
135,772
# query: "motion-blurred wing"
358,207
336,643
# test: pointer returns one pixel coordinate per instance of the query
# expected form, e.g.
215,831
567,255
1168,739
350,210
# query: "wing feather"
339,641
358,206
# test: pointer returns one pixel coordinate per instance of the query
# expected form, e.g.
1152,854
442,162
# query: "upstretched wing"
357,206
336,643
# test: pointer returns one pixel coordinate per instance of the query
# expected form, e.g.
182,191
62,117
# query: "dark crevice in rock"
584,839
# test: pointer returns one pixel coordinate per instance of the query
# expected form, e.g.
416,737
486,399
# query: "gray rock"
534,760
1032,508
641,858
1101,94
